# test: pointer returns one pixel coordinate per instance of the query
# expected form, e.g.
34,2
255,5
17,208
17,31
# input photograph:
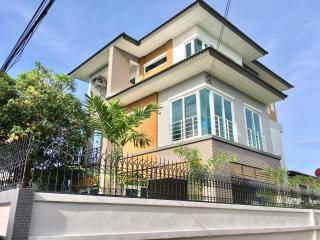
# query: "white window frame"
153,61
212,91
190,93
224,97
191,40
258,112
136,74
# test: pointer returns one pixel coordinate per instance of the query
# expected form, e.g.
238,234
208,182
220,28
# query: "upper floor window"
200,113
155,63
254,129
133,72
184,118
194,46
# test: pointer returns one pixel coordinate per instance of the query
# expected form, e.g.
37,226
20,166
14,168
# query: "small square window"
132,80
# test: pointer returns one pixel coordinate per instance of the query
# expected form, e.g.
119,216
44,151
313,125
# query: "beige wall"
209,145
118,70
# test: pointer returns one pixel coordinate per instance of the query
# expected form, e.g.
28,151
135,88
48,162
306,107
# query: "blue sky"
289,30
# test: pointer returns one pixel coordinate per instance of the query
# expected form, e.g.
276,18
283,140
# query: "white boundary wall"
66,216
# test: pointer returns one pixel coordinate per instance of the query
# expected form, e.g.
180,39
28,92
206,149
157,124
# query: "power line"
28,32
226,12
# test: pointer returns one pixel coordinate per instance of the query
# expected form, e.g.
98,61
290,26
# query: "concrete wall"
240,100
15,213
63,216
118,70
196,31
4,218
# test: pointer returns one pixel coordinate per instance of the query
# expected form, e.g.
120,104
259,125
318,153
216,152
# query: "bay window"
202,113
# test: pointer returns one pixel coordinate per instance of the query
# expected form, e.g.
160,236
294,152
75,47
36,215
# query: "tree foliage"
116,123
41,103
280,175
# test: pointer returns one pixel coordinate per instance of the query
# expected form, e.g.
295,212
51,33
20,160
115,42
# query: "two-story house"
215,99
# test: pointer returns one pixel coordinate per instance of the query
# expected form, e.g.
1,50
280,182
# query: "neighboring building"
303,187
217,100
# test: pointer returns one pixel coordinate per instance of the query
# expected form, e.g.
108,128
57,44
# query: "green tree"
116,123
280,175
41,103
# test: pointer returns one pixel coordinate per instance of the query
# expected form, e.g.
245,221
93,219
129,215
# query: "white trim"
187,92
199,87
198,113
137,72
252,108
220,92
191,40
162,55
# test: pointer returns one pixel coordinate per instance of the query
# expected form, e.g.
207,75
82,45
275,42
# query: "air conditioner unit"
99,81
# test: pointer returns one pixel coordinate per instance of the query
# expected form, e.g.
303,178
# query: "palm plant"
116,123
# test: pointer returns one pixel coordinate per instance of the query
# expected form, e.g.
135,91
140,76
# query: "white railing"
224,128
256,139
184,129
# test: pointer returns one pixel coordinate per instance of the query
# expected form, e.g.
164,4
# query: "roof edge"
202,4
122,35
227,23
263,67
219,56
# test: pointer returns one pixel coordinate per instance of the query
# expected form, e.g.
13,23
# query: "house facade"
215,95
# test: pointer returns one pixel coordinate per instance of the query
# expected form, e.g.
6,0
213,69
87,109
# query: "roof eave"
214,53
122,35
263,67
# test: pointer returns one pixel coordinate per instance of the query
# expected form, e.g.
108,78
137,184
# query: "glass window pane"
155,64
188,49
197,45
256,122
176,114
217,100
177,110
249,118
190,106
227,110
205,112
190,121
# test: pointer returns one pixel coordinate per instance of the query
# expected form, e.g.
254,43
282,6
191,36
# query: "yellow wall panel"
149,126
165,48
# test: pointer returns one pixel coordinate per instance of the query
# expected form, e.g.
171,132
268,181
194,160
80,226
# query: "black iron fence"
59,168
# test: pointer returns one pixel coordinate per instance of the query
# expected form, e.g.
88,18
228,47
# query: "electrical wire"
16,52
226,12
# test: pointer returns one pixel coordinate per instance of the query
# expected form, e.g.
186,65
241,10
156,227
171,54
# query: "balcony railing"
188,128
224,128
256,140
184,129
